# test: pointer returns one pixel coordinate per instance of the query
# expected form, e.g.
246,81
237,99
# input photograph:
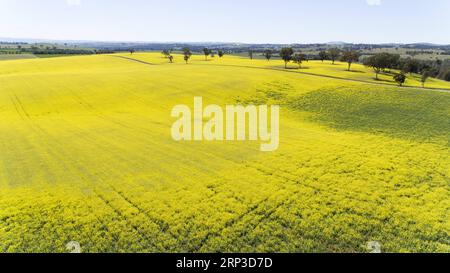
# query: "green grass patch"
395,112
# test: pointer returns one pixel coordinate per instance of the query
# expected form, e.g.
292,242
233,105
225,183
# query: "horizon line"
21,39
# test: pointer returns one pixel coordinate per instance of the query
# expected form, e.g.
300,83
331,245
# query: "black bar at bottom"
216,262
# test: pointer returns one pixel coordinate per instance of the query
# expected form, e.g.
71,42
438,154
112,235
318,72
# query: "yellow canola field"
86,155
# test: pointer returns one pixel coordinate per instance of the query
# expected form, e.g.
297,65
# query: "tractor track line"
133,60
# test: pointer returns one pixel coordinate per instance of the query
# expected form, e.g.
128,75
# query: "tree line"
187,54
384,62
52,50
380,62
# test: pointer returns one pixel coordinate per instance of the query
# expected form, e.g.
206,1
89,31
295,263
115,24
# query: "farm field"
338,70
87,155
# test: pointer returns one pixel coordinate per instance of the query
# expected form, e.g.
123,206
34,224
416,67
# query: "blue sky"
254,21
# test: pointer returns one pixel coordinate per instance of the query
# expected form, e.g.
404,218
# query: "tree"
298,58
250,54
166,53
268,54
207,52
131,51
333,54
392,60
350,56
425,75
323,55
400,79
286,55
381,61
406,67
187,54
411,66
447,76
220,53
375,64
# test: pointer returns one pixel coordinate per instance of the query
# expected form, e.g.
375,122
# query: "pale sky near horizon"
247,21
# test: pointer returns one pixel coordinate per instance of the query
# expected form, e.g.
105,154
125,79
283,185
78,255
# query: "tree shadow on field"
382,80
387,73
298,68
293,68
408,114
356,71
